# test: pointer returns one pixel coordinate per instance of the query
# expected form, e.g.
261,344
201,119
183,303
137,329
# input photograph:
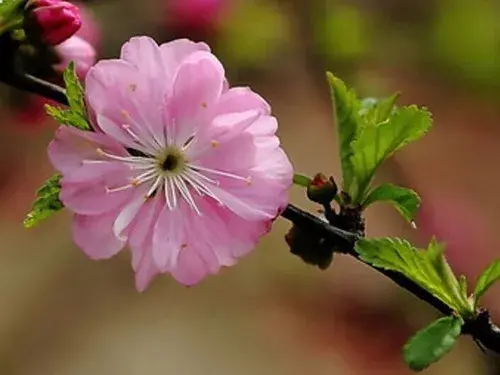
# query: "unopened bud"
57,20
322,189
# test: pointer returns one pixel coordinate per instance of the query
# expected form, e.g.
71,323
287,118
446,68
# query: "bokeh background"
62,314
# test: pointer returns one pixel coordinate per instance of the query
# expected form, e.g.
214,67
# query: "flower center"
172,161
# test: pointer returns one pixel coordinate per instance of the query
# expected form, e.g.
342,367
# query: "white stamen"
167,195
126,159
191,179
146,176
86,161
200,186
155,186
117,189
218,173
181,185
173,191
202,176
143,166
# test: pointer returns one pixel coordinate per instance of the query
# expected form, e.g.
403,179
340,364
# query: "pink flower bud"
77,50
58,20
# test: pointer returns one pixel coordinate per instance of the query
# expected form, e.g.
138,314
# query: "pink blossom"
90,30
58,20
78,50
195,14
186,171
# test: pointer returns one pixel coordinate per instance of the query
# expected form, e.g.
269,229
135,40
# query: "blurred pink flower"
199,15
57,19
457,223
90,30
78,50
185,170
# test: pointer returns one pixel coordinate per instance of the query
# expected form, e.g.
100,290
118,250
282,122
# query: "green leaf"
9,9
377,110
462,281
349,123
377,142
432,343
406,201
301,180
47,202
67,117
487,278
74,90
76,114
427,268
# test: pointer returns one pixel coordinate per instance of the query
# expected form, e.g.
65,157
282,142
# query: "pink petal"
254,205
137,101
71,146
144,53
146,271
141,232
175,52
109,173
223,129
273,162
94,235
197,87
129,212
85,190
190,268
117,132
169,235
221,237
264,126
241,99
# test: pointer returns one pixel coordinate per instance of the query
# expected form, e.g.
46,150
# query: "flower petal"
141,231
223,129
190,268
94,235
144,53
146,271
175,52
71,146
84,191
129,212
197,86
169,236
136,101
241,99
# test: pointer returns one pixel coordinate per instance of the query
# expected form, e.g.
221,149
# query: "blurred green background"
63,314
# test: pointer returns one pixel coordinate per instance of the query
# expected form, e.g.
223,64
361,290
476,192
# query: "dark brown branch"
35,85
480,328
